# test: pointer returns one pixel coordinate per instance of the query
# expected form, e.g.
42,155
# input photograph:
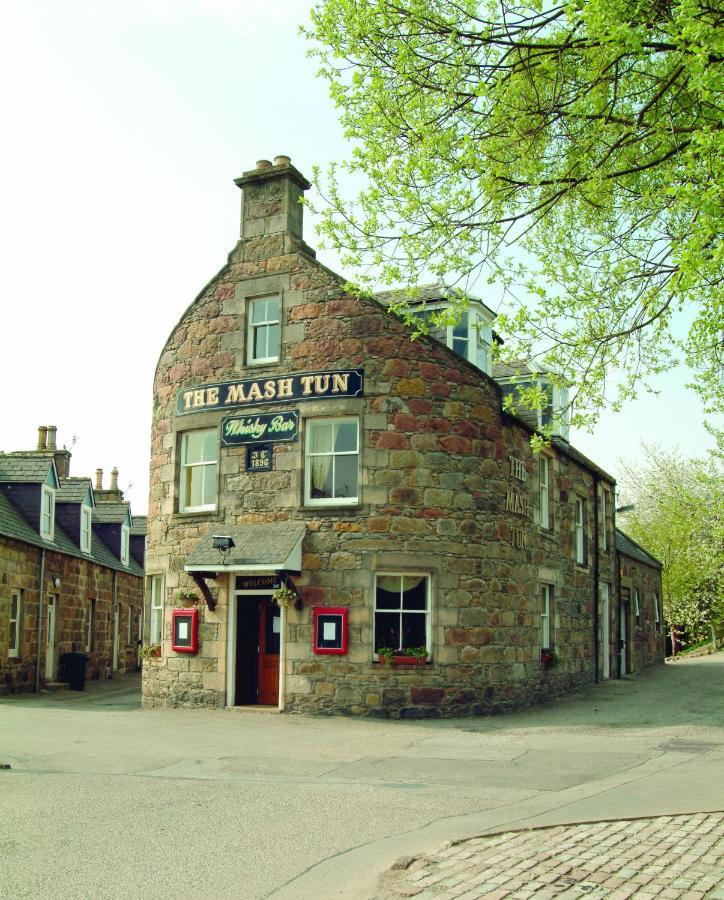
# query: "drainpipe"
596,567
41,583
113,618
282,657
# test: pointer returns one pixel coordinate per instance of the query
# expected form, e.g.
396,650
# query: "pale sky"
125,124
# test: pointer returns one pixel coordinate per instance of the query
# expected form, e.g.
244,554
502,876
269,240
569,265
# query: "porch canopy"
267,547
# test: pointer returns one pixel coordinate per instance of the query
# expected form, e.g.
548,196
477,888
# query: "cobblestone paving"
667,856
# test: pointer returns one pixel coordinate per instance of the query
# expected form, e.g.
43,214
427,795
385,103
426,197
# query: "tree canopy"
678,516
569,151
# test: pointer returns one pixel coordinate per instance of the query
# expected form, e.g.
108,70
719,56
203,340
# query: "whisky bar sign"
260,429
260,391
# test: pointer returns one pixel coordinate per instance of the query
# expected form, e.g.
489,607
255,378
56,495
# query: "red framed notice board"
185,630
330,629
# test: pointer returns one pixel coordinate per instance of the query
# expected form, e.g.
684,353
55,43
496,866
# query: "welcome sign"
261,391
263,428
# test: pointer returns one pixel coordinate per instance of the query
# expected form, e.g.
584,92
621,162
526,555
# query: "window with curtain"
402,611
264,330
331,465
199,468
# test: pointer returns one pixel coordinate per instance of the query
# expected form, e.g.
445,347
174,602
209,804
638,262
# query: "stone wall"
647,640
80,581
435,488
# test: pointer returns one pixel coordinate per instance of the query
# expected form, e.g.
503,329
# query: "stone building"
301,439
71,570
641,619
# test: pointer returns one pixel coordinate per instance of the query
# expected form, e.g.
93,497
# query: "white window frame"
129,621
47,513
309,426
546,593
266,323
156,605
605,503
637,607
15,636
86,519
90,616
425,612
657,614
580,531
125,540
202,464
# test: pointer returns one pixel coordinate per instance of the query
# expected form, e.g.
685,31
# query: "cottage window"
546,595
47,513
124,544
156,590
89,625
461,337
264,330
637,607
657,614
331,462
129,625
16,611
198,471
581,537
85,529
605,507
402,611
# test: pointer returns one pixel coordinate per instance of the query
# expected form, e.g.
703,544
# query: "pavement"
105,800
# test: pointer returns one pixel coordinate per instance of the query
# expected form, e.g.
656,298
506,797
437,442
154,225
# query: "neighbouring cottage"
71,571
365,530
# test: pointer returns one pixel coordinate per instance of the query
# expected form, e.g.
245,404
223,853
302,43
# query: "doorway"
623,640
606,626
115,653
258,646
50,655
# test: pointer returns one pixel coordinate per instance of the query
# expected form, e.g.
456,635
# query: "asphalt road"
104,800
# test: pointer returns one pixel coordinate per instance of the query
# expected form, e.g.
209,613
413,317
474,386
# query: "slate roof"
269,545
29,468
111,513
629,547
140,526
72,490
15,526
422,293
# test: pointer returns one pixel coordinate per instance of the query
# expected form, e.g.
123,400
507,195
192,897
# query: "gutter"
41,583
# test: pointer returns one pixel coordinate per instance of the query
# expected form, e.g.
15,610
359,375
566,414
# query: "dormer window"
125,537
47,513
461,337
85,529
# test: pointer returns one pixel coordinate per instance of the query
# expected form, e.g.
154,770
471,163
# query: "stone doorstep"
52,687
253,708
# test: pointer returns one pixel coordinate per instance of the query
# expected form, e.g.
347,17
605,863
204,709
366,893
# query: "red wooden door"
269,639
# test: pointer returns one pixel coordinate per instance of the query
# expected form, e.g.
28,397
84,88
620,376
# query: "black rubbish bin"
74,668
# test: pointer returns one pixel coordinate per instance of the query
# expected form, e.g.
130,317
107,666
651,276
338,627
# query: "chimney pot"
280,161
51,438
99,479
263,164
42,436
114,479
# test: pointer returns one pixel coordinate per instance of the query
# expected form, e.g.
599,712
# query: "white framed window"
125,538
90,625
637,607
47,513
85,528
16,612
546,596
199,468
657,614
331,464
264,330
545,488
156,618
461,336
402,611
580,535
129,625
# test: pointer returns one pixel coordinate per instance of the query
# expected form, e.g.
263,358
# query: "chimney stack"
99,480
42,436
51,445
271,209
114,479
